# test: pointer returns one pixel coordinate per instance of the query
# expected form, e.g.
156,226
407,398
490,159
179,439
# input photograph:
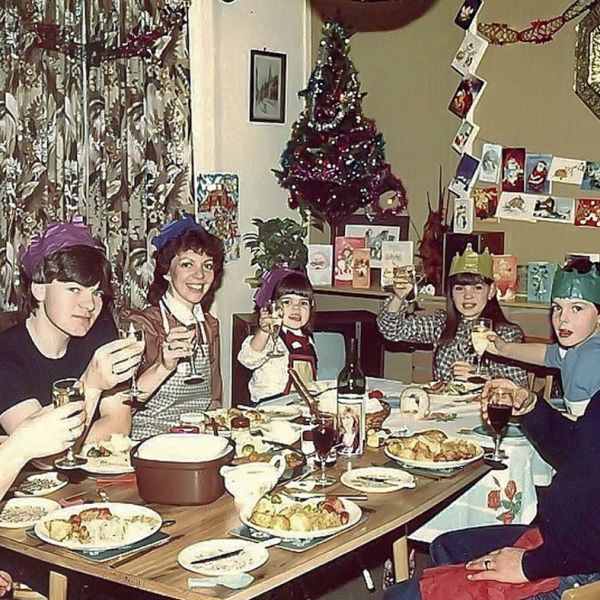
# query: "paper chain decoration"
540,31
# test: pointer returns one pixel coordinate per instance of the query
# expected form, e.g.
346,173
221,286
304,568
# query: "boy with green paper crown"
575,313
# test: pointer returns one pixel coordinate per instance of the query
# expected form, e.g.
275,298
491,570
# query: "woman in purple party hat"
285,303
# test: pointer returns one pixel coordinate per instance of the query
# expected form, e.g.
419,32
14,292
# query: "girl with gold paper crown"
575,313
471,294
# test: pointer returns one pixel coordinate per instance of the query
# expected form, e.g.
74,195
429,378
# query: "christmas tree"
334,162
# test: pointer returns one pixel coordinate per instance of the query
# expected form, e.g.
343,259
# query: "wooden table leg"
400,554
58,586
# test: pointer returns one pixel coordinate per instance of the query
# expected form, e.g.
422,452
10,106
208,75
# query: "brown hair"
491,310
197,240
85,265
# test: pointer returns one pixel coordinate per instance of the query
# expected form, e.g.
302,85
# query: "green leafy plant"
277,241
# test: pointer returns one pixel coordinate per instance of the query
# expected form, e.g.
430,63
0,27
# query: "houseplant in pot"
277,241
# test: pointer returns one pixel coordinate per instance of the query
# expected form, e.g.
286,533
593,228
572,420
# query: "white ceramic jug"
248,482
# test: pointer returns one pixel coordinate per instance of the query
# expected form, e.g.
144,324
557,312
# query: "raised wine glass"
324,437
408,275
499,409
479,338
132,330
276,318
63,392
194,378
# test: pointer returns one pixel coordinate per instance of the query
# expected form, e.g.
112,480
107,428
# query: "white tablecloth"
506,496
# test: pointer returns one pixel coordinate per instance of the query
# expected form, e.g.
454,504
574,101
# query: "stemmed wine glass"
63,392
194,378
324,436
132,330
499,409
479,338
275,310
408,275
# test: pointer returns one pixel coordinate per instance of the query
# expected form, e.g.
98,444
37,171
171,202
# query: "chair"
589,591
331,353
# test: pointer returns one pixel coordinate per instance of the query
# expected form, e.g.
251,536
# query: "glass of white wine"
276,313
132,330
63,392
479,338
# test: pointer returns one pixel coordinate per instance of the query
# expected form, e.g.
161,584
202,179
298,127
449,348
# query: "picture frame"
267,86
357,225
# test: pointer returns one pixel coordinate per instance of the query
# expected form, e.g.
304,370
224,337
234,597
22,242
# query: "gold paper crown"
471,262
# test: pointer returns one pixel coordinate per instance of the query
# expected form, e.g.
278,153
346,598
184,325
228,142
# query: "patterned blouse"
427,329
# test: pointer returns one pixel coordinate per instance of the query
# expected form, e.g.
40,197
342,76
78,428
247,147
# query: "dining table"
157,570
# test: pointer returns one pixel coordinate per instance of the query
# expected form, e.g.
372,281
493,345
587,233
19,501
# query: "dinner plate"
459,390
435,465
354,514
103,465
41,484
137,532
19,513
282,413
512,431
253,556
377,479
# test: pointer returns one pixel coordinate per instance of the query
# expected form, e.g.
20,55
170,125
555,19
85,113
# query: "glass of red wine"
324,437
499,409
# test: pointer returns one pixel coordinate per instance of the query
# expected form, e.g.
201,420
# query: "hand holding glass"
499,410
65,391
194,378
324,437
406,281
479,338
275,310
132,330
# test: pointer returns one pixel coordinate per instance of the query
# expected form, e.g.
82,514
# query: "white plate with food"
377,479
20,513
433,449
98,526
455,390
251,557
41,484
109,457
281,413
224,416
283,517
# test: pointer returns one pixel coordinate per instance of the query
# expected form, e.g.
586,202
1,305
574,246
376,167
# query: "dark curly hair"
85,265
198,240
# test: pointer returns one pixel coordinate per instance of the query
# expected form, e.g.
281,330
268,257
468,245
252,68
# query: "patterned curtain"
94,120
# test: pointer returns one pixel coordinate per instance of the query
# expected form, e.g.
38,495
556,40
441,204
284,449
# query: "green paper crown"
471,262
575,285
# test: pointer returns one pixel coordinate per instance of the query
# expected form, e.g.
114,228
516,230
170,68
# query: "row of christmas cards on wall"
349,261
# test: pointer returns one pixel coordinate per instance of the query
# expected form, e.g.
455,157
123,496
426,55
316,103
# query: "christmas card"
554,210
567,170
591,176
463,215
361,268
465,176
463,140
467,95
485,200
587,213
540,275
469,55
344,258
320,264
522,281
518,207
505,276
513,169
491,158
536,173
374,236
394,254
467,12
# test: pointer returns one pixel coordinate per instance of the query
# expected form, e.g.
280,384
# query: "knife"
199,561
311,495
388,480
137,553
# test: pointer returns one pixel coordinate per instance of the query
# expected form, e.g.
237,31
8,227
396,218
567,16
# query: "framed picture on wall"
267,86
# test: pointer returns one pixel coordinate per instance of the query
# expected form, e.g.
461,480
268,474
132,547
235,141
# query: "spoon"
233,581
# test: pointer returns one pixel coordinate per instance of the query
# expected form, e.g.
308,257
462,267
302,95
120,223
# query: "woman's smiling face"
574,321
190,276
